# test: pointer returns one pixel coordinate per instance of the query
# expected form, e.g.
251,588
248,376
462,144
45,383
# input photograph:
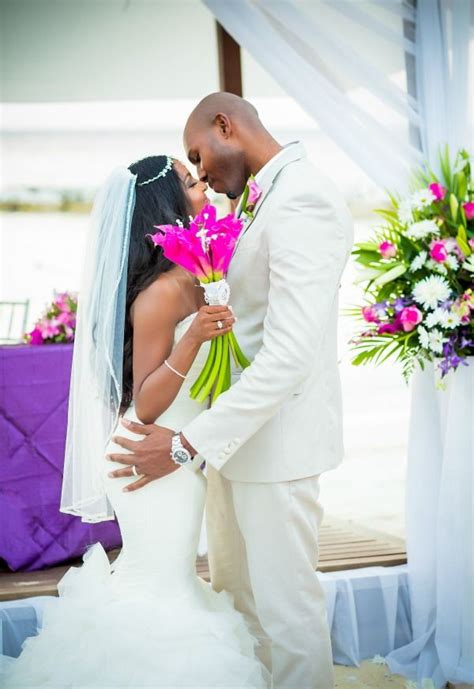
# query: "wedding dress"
147,620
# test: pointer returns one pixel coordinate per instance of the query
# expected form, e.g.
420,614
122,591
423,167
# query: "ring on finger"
134,470
220,325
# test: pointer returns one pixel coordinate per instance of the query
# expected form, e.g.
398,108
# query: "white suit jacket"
282,418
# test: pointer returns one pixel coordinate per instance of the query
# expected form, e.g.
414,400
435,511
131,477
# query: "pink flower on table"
254,193
468,210
35,336
438,191
438,251
66,318
370,314
387,249
410,317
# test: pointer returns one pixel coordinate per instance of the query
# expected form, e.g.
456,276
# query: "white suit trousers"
263,549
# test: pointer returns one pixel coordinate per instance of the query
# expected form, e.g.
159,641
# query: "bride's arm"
155,314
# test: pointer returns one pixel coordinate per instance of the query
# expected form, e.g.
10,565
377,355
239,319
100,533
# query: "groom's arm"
307,252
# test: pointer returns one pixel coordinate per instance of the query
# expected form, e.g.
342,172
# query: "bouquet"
58,322
205,249
419,274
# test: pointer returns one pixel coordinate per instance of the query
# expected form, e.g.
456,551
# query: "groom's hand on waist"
151,456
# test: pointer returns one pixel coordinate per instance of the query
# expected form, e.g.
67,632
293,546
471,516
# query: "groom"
268,438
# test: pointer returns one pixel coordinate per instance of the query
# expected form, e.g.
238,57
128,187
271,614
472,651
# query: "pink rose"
438,251
469,210
387,249
370,314
471,242
410,317
438,191
254,192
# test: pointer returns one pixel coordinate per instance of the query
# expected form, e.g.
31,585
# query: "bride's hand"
205,325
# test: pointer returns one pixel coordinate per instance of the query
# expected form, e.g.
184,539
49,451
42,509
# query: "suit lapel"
266,178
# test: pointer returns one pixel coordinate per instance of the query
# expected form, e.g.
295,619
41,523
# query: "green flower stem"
239,356
225,361
203,376
206,388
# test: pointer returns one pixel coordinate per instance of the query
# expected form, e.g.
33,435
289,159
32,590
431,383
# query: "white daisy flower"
430,291
452,262
469,264
404,212
422,199
419,261
449,319
422,229
434,318
436,267
423,337
436,341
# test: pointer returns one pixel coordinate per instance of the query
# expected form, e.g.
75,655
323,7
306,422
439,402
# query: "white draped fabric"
368,614
440,531
445,75
440,480
322,54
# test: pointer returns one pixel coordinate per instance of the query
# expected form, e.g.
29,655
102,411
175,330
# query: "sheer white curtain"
445,75
440,479
344,63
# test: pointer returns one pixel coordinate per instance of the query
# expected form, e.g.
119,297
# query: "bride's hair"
160,202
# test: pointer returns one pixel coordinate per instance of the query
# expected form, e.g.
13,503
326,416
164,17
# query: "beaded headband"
162,173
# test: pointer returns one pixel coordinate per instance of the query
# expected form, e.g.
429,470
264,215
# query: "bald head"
235,107
227,142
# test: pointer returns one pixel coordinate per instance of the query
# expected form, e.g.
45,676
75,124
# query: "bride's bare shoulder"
162,297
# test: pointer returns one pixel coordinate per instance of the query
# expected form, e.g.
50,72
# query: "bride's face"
194,189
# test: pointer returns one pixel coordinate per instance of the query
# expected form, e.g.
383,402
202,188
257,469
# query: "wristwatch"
179,454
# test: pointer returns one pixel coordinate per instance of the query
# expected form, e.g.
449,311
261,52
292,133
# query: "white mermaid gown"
147,621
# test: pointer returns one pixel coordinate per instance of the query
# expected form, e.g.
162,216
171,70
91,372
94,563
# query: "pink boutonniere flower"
251,196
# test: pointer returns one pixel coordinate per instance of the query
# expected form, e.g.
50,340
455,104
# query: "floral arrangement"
58,322
205,249
419,274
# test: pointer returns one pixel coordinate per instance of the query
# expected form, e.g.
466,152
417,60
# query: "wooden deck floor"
343,545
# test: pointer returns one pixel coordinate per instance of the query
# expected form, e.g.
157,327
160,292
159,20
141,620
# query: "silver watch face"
181,456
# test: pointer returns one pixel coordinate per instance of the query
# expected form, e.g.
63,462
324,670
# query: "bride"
142,338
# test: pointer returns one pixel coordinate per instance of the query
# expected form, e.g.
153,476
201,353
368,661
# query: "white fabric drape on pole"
445,75
440,479
322,54
440,531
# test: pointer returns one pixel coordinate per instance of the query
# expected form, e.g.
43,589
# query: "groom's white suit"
268,438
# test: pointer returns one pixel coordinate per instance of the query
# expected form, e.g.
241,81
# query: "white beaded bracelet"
174,370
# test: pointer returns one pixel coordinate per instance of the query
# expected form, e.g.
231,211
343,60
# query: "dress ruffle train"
135,639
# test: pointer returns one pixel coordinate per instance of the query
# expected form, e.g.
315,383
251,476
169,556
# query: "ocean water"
43,252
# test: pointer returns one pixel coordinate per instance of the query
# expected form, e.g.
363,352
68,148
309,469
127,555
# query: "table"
34,388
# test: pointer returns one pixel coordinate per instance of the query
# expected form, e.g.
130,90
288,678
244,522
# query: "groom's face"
218,159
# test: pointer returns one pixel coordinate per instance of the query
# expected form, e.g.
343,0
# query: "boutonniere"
251,195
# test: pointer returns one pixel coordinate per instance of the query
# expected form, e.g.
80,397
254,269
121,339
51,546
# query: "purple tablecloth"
34,386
